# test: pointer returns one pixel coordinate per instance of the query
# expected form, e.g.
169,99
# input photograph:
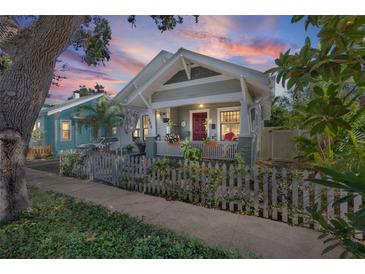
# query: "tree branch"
8,31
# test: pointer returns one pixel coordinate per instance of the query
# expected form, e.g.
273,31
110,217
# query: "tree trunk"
23,89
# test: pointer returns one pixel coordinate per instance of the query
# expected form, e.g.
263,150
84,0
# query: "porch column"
245,139
57,132
150,139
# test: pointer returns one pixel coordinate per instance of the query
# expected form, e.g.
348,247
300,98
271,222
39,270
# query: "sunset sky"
252,41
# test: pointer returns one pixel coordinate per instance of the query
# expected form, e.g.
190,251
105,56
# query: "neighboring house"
204,97
59,124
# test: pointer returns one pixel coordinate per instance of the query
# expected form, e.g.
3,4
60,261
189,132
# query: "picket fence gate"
279,195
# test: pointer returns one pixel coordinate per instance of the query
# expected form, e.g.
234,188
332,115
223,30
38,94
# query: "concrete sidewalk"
266,238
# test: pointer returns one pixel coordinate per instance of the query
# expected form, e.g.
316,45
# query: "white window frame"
141,128
70,123
191,120
219,110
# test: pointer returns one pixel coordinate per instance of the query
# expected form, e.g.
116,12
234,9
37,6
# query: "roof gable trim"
74,104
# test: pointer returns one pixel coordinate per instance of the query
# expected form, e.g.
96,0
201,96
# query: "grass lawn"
58,226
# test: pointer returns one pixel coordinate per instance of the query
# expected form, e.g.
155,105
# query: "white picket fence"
269,193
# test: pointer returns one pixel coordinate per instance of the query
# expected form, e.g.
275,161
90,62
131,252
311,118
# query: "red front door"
199,132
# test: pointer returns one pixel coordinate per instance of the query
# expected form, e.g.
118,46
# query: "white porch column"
244,120
151,147
245,146
152,116
168,115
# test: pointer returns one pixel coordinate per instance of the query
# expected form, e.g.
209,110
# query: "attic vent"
196,73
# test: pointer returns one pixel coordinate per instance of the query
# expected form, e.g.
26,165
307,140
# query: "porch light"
201,105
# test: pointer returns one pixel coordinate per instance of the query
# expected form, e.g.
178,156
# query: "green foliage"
4,62
104,114
93,38
128,148
207,141
58,226
239,163
340,231
280,112
72,165
190,153
37,136
163,22
84,91
337,60
170,124
330,79
164,163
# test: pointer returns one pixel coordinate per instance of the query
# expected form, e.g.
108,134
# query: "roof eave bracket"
186,67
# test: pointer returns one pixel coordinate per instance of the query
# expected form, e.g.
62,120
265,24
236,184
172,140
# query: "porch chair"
229,136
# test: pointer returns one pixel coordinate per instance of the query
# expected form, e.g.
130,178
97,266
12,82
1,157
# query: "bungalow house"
204,98
58,124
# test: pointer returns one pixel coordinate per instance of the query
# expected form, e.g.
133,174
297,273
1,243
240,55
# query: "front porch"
219,129
222,150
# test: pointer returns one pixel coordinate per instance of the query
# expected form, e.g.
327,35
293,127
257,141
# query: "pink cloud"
223,47
139,50
256,61
76,77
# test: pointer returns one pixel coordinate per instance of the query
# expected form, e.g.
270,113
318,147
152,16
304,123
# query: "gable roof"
53,101
147,72
258,81
72,103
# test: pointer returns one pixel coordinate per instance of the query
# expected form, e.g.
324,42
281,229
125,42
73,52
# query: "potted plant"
172,138
128,148
211,143
140,144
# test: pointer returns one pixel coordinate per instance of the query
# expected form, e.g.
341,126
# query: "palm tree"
104,115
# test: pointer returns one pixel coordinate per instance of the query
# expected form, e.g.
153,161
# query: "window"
114,130
137,132
229,122
145,126
65,130
141,124
37,125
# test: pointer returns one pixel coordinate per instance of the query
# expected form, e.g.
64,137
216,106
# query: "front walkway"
266,238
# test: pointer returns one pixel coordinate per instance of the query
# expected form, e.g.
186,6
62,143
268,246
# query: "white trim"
123,94
253,76
144,100
219,110
220,98
191,120
70,122
205,80
79,102
186,67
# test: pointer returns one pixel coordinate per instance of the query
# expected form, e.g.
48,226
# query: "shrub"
190,153
73,163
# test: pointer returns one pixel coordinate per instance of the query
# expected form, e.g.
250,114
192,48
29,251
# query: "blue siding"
51,128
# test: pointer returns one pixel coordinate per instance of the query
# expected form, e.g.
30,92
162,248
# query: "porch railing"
222,150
